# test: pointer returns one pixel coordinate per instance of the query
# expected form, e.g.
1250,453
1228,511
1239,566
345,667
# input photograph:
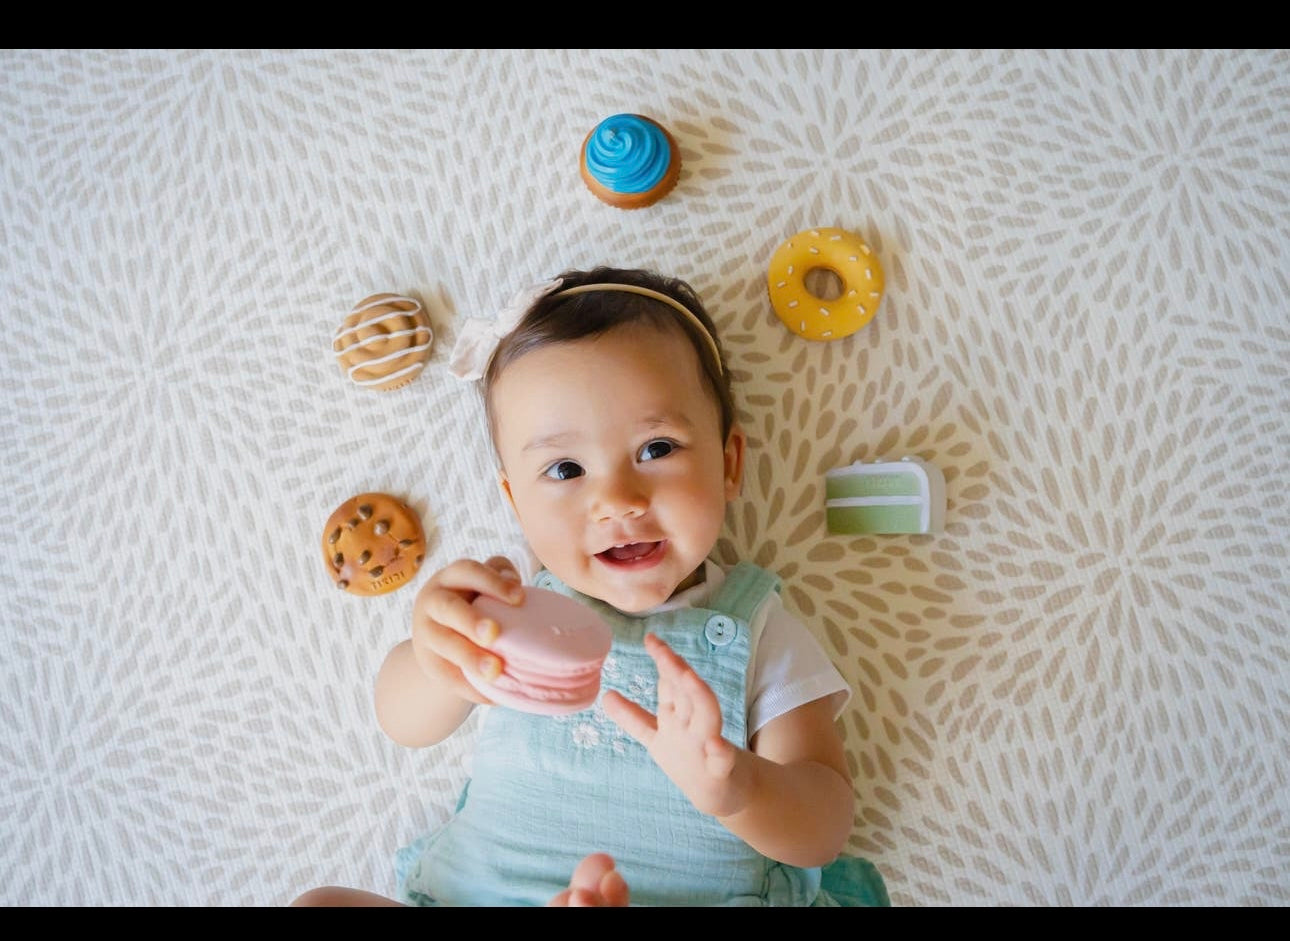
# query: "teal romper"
546,791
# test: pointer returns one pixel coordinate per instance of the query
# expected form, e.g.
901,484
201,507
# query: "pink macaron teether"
553,649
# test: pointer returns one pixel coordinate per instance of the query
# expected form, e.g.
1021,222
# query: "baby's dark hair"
560,318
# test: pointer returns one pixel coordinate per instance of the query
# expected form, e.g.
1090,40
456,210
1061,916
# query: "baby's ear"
734,461
504,482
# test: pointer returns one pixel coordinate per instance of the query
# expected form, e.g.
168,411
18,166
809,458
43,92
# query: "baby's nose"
621,496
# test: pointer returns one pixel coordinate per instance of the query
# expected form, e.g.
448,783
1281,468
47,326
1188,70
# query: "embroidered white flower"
641,688
592,728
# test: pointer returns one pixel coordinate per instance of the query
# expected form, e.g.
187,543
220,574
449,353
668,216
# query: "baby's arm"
421,694
789,797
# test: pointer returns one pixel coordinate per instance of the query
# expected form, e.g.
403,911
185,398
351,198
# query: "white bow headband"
479,338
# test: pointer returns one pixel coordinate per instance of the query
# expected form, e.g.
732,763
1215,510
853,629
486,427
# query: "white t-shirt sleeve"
790,668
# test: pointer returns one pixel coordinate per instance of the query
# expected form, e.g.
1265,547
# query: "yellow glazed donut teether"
835,250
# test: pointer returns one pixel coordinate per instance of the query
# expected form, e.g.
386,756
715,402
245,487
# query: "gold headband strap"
670,301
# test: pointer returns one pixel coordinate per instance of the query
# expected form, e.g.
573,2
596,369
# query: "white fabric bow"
479,337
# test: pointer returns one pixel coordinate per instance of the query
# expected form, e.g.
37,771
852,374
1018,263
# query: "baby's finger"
431,641
596,883
682,704
671,666
454,611
447,673
504,567
690,700
719,756
702,708
592,884
496,577
446,655
631,718
613,889
588,873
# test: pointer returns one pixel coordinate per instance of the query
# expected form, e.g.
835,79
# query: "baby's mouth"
630,553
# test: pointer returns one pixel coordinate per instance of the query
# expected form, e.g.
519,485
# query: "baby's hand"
448,635
684,739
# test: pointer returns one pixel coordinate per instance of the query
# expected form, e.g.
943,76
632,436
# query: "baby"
711,772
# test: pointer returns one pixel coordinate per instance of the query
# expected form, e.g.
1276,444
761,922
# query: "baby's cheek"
556,544
703,513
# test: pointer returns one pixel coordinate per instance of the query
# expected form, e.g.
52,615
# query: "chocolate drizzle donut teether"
373,543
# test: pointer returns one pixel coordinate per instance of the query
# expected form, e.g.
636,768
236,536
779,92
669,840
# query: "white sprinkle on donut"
853,258
824,311
781,284
868,274
813,250
792,303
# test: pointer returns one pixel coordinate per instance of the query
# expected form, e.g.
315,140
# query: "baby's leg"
595,883
335,896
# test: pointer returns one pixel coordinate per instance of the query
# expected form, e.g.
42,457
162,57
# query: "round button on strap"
720,630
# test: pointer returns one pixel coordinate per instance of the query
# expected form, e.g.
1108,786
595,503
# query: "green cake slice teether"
885,498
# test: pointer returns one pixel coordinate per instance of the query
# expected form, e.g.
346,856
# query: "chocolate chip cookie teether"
373,543
385,341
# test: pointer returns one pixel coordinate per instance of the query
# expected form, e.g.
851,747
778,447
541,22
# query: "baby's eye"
659,447
563,470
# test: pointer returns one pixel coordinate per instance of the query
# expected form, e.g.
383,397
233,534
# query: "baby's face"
612,455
